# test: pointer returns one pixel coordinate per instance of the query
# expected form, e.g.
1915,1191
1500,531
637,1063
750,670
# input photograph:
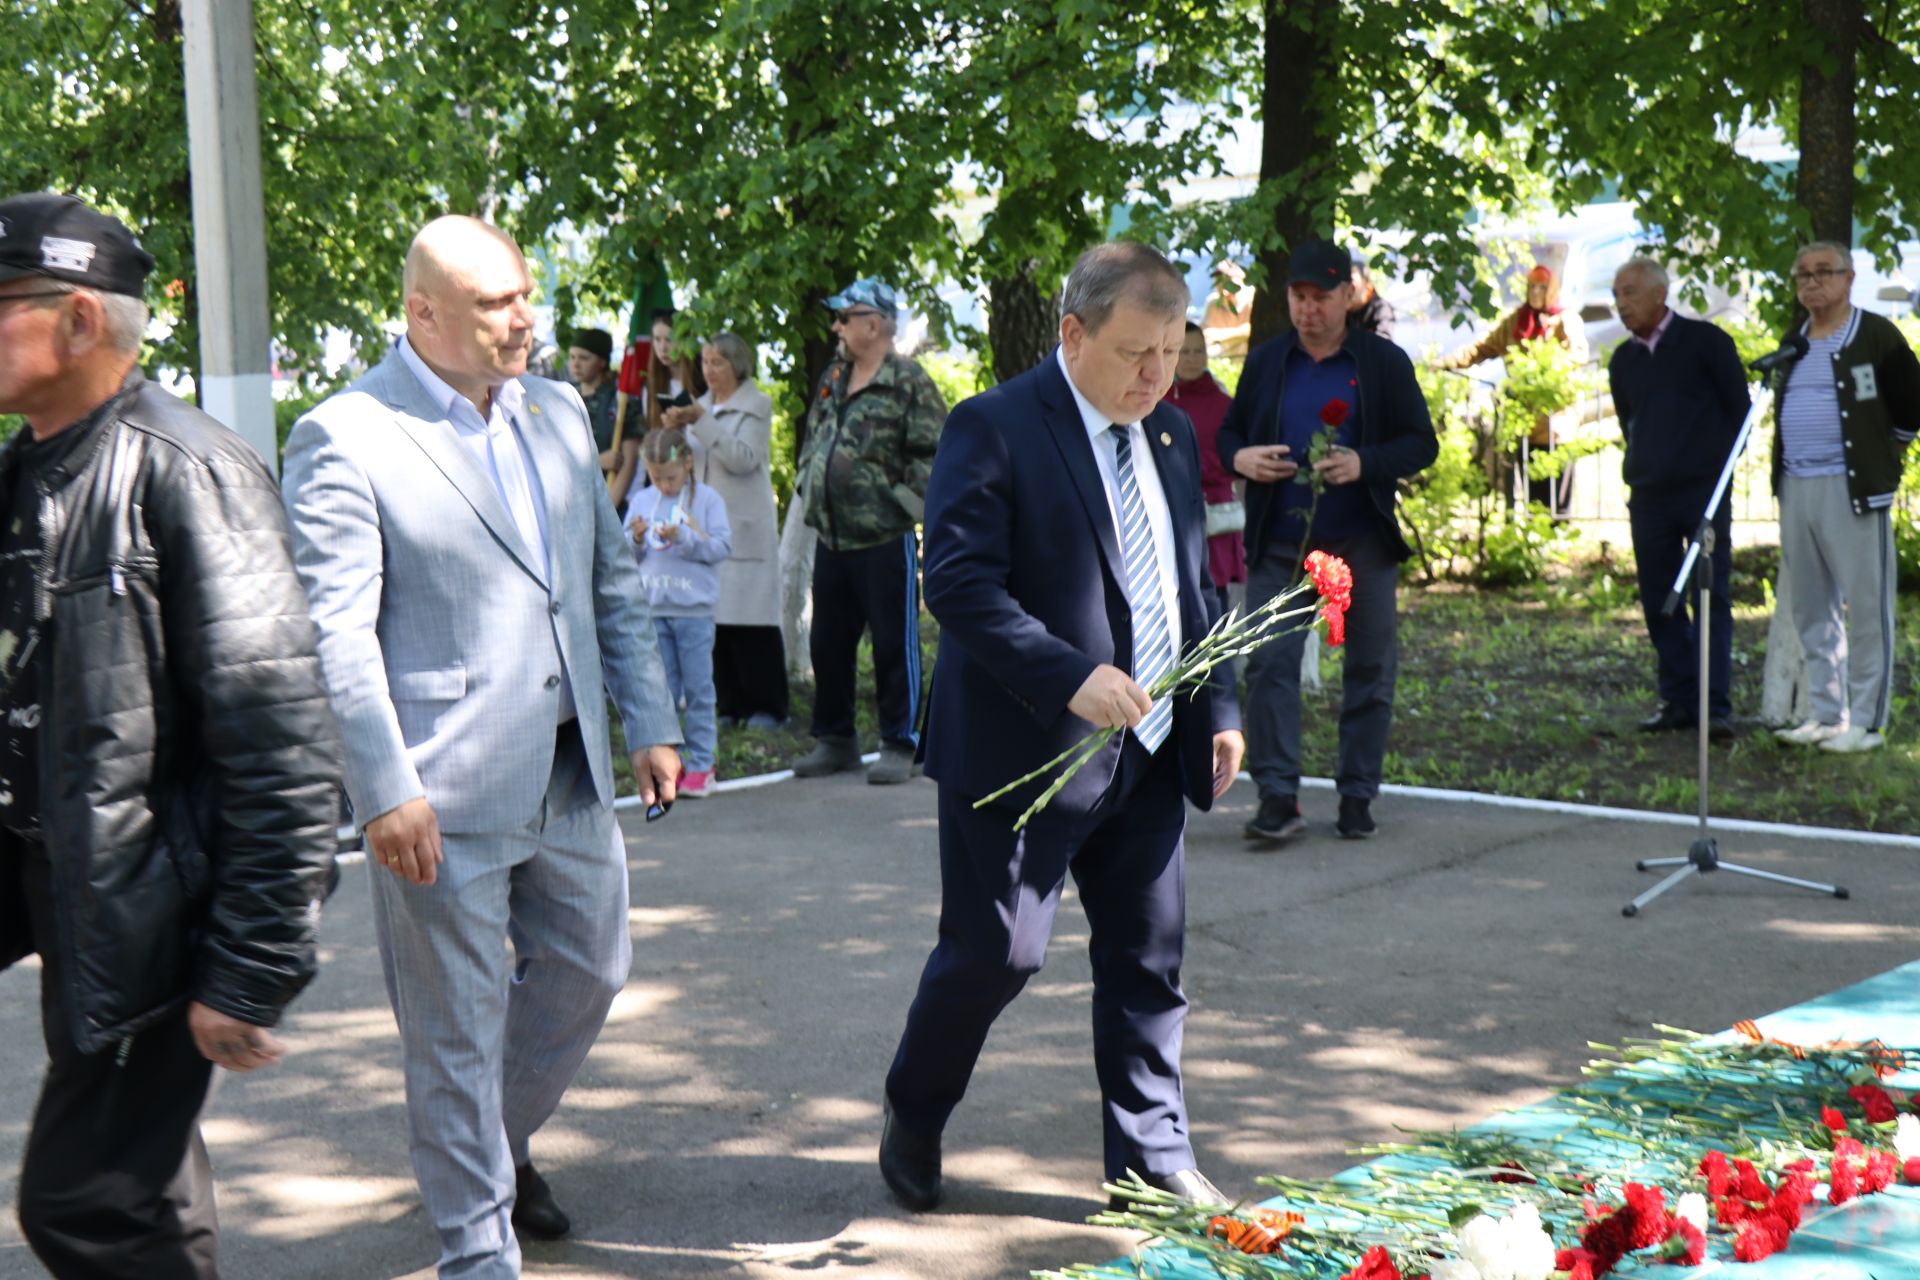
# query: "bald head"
468,300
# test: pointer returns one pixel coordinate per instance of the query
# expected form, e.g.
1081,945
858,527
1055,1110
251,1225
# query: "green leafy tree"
1651,96
372,121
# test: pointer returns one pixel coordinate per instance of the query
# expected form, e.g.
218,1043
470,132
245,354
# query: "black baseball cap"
59,238
1320,262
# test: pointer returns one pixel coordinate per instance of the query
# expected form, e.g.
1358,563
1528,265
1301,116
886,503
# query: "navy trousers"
1662,523
998,892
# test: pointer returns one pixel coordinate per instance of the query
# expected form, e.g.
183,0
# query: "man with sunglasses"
169,768
1844,415
871,433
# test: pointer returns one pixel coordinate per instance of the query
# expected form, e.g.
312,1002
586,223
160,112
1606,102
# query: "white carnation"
1516,1247
1906,1136
1693,1207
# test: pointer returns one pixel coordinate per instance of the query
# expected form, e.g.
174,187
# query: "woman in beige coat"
732,424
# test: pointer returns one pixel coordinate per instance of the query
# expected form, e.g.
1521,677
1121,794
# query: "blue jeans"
686,647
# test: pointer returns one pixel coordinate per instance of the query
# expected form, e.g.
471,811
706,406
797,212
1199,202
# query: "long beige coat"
734,440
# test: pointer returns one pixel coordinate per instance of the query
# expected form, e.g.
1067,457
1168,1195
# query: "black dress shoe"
1279,819
1356,819
1190,1185
1671,718
534,1212
910,1163
1720,729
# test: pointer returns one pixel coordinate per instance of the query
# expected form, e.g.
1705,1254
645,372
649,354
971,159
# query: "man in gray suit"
472,588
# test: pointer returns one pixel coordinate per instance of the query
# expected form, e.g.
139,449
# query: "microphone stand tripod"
1703,855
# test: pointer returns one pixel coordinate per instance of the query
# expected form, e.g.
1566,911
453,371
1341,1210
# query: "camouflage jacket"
864,471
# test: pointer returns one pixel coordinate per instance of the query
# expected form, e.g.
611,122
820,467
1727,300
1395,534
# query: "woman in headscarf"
1539,319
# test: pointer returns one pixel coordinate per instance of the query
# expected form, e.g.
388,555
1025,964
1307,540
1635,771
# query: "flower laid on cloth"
1728,1131
1516,1247
1233,636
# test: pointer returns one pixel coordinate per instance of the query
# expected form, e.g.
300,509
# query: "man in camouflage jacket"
871,433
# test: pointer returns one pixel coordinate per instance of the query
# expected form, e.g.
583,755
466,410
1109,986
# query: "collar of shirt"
1845,332
1652,340
1096,421
460,411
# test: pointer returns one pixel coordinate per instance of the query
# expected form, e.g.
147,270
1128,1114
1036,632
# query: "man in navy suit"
1066,562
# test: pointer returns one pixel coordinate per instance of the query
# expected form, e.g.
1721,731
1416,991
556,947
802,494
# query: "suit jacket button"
554,608
553,682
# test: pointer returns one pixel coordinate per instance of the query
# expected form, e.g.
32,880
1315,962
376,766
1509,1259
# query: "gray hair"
125,316
1120,269
1650,269
1838,250
736,351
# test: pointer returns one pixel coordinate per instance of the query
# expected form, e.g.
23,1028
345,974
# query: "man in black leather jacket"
169,763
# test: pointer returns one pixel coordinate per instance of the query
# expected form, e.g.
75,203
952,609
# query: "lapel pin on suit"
533,409
1166,437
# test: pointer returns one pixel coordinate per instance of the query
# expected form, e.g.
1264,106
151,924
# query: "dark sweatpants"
877,589
115,1184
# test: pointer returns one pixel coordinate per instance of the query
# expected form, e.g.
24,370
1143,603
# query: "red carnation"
1374,1264
1833,1119
1334,412
1719,1177
1577,1263
1879,1106
1334,581
1522,1176
1759,1238
1910,1171
1647,1208
1752,1185
1685,1246
1882,1168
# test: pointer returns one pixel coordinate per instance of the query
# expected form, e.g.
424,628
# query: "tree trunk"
1296,141
1023,323
1827,131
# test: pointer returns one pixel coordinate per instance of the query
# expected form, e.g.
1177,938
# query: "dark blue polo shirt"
1310,384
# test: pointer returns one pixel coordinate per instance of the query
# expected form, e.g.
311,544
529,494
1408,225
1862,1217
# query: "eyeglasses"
842,317
1822,274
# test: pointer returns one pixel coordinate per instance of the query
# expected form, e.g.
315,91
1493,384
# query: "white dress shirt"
1146,474
497,446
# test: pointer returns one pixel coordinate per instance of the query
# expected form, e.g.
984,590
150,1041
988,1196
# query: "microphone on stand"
1792,349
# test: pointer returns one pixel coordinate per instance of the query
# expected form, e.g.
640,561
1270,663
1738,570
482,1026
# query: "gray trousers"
1368,670
1842,599
492,1038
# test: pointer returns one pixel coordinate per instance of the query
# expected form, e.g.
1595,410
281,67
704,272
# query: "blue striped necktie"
1152,639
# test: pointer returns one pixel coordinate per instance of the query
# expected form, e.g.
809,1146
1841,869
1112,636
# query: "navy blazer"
1024,573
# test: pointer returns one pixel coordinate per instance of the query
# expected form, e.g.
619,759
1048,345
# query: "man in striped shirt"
1844,415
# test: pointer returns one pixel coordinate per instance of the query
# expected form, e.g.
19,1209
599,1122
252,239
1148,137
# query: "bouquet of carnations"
1234,636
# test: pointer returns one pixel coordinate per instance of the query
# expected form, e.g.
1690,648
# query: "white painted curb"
1590,811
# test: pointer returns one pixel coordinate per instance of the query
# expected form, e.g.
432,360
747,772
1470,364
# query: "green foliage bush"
1906,506
1458,513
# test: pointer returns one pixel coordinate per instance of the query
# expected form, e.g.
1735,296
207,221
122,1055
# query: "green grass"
1536,692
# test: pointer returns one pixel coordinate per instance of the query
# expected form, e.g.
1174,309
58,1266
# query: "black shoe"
1671,718
1355,822
1279,819
1188,1184
910,1163
534,1212
1720,729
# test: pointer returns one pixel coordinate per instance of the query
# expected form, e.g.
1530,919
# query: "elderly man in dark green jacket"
871,433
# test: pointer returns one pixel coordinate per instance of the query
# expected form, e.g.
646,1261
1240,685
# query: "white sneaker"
1855,739
1808,734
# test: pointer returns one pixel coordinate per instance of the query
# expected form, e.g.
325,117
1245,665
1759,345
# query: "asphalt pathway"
726,1123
